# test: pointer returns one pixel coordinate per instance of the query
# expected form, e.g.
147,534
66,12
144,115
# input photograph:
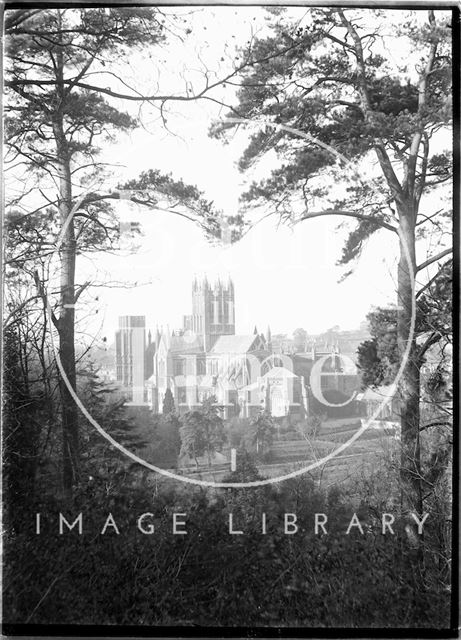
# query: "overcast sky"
283,277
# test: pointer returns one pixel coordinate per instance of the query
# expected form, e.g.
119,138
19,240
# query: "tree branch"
15,18
431,340
409,186
430,261
42,294
432,280
350,214
437,423
17,83
80,290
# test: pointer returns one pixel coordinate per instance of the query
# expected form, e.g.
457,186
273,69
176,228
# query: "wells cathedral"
246,373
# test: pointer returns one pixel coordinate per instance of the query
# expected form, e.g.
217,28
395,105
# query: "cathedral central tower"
213,311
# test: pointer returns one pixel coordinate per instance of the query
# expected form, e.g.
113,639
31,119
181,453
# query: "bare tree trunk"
69,411
409,389
407,199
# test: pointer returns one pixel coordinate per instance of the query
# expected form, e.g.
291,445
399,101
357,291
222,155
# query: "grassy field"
289,455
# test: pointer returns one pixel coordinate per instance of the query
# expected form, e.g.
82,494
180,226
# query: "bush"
210,577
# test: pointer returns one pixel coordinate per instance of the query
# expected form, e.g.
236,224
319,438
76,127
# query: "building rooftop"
237,344
184,344
279,373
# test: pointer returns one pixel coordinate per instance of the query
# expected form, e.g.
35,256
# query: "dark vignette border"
127,631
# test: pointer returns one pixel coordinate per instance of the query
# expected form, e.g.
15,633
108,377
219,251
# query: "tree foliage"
65,81
168,403
23,405
300,339
202,431
332,102
262,429
62,103
378,358
349,580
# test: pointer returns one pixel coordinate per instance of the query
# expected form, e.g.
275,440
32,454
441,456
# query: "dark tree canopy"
202,430
379,359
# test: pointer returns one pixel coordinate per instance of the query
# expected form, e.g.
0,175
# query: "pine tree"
59,110
168,403
326,78
262,429
202,431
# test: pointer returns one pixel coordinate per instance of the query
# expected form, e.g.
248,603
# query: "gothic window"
178,367
296,394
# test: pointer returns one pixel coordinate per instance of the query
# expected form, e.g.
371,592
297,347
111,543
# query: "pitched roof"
236,344
183,344
278,373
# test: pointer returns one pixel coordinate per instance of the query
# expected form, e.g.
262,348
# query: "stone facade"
246,373
130,345
213,311
206,358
